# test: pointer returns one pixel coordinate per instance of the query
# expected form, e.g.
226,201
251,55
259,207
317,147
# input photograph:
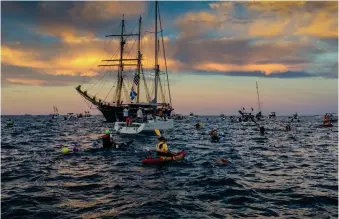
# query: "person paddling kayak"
161,148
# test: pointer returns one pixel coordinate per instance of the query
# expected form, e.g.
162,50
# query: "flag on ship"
136,79
133,94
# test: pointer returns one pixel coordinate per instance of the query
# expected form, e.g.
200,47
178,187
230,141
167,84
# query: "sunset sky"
216,52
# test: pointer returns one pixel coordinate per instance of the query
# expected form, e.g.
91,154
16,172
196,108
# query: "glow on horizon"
206,95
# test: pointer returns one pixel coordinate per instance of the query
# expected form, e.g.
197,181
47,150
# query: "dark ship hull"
111,113
115,113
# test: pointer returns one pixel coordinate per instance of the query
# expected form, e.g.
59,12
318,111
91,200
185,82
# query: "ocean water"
286,175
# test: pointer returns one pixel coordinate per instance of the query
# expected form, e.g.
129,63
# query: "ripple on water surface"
287,175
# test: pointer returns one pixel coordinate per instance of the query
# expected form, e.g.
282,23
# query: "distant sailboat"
259,115
55,115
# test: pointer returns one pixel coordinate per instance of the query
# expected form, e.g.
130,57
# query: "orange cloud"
272,19
218,67
323,25
69,64
280,7
268,28
83,59
28,58
66,33
195,23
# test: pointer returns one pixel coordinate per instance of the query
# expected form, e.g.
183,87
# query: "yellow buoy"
65,150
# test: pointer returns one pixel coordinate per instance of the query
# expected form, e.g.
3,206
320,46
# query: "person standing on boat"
125,113
326,119
140,115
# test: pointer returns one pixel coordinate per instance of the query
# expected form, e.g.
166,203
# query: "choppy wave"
283,175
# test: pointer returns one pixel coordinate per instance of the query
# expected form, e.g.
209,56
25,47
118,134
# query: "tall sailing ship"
135,85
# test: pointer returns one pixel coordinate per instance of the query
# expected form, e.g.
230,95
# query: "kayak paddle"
157,131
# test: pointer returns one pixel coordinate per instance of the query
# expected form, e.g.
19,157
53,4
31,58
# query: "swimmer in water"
197,126
107,141
222,161
288,128
262,130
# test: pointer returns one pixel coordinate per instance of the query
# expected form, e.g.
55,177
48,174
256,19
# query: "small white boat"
9,122
55,115
71,117
272,115
248,123
149,126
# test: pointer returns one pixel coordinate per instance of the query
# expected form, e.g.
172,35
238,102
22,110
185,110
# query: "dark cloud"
52,18
284,75
240,51
75,19
9,72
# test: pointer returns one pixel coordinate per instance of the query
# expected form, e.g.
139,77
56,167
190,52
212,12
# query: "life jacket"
161,149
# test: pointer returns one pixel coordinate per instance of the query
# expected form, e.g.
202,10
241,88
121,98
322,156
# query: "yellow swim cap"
65,150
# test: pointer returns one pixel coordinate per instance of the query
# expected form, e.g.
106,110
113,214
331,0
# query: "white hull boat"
249,123
149,126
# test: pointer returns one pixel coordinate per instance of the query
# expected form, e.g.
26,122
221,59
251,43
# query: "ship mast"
120,60
121,67
139,60
156,66
163,49
258,96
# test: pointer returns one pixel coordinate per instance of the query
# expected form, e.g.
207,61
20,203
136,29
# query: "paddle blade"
157,131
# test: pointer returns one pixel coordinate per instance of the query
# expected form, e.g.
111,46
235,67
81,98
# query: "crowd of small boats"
69,116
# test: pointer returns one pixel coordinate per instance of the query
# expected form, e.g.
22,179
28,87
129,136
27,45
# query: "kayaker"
161,148
107,141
